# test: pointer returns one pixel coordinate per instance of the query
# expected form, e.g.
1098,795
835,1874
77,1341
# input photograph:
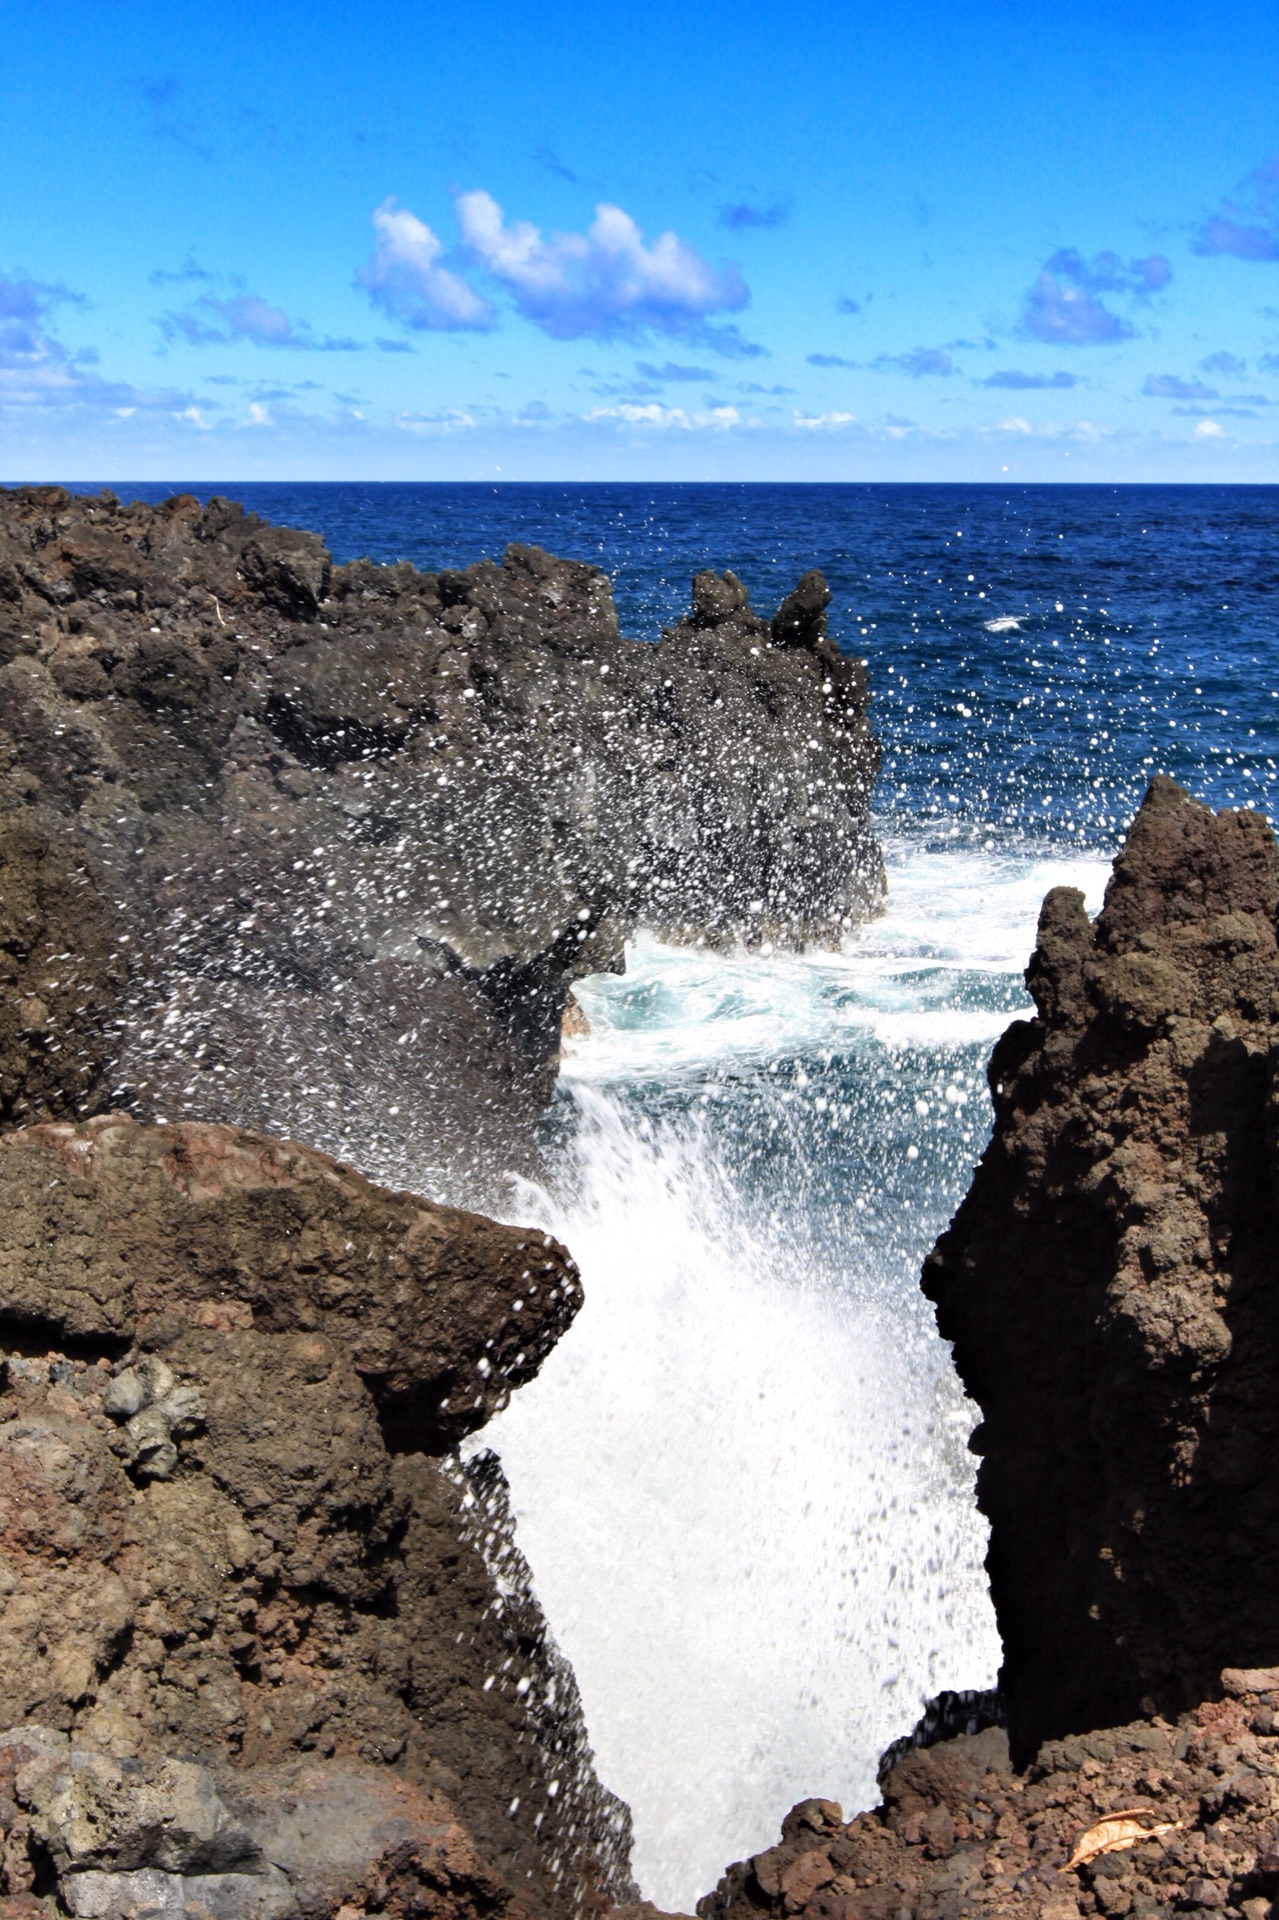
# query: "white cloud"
1063,305
40,375
824,422
1209,430
652,414
606,282
404,277
212,322
919,363
446,420
1249,226
636,415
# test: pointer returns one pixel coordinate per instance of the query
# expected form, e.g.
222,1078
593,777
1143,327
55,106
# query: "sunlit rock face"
266,1648
318,848
1149,1818
1109,1283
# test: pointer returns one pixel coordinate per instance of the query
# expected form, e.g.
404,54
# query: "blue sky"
952,241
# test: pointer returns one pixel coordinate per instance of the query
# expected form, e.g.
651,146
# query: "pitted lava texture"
440,1312
317,849
1189,1811
1109,1284
267,1647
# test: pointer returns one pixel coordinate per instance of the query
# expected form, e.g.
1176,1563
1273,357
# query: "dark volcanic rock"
350,831
1109,1283
753,777
61,974
263,1639
1190,1812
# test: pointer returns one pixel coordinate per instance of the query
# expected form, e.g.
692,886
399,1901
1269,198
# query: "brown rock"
961,1834
61,973
575,1025
284,1655
1107,1284
116,1233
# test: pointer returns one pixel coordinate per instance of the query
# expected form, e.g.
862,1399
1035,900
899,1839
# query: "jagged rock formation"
266,1648
1109,1283
321,848
752,823
317,848
1190,1811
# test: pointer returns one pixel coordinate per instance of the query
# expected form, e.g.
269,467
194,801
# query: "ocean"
741,1480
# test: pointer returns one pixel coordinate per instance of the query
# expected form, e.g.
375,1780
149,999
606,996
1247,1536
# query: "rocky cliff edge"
317,849
1109,1283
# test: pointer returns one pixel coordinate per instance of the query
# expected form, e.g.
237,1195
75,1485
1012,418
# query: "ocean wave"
941,966
746,1499
752,1440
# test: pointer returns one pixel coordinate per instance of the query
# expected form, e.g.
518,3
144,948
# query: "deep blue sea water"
741,1478
1147,635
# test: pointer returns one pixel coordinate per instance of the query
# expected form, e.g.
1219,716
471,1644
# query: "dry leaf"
1115,1831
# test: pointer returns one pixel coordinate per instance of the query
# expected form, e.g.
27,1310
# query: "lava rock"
61,972
1108,1285
120,1234
1128,1820
320,849
267,1647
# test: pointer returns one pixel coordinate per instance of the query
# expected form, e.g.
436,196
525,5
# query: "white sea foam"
747,1506
1006,623
951,913
740,1479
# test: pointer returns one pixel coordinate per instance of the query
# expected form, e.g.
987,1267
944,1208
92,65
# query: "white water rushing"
741,1479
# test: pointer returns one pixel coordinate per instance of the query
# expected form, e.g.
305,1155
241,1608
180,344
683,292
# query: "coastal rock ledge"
318,851
267,1649
1157,1819
1109,1283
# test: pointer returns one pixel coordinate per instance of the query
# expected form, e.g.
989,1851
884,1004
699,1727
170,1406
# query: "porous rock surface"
1109,1284
316,849
267,1648
959,1832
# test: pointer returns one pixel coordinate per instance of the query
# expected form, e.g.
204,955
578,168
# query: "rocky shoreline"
279,840
320,850
1108,1283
